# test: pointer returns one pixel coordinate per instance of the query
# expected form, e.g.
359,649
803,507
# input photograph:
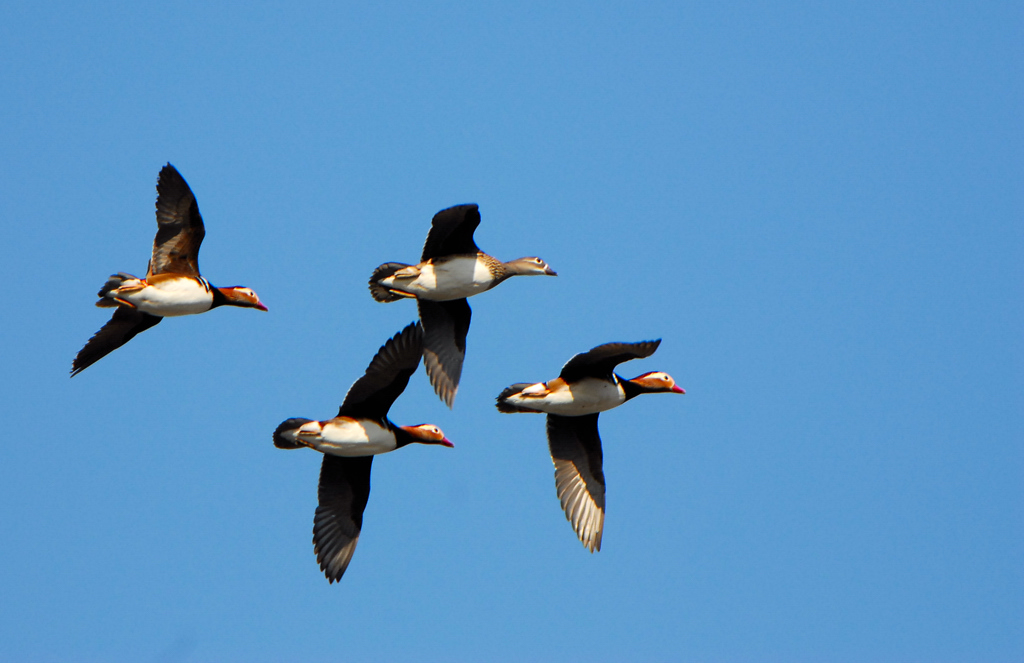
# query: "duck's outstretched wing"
451,232
343,492
386,377
445,326
122,327
576,451
181,230
601,361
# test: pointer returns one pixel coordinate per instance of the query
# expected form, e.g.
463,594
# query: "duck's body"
452,268
349,442
165,295
173,285
586,387
449,277
350,437
585,396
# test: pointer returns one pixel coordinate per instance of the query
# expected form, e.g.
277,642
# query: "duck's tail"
113,283
379,292
284,436
508,408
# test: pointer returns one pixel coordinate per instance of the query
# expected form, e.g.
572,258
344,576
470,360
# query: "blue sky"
819,209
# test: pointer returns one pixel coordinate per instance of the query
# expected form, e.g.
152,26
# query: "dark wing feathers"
387,375
122,327
181,231
451,232
579,480
343,492
445,326
601,361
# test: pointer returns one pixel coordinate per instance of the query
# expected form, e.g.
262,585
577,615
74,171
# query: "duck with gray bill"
451,269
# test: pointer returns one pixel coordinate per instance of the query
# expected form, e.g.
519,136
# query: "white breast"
449,279
343,436
587,396
171,297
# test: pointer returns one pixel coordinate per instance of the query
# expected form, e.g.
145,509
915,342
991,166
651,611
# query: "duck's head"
240,296
530,267
656,382
427,434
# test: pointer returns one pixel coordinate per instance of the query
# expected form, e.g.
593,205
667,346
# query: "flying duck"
586,386
349,442
451,269
172,285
